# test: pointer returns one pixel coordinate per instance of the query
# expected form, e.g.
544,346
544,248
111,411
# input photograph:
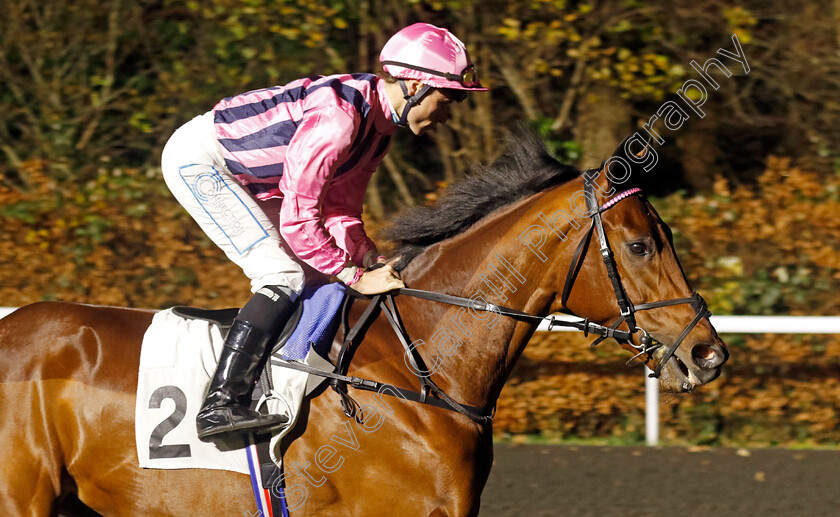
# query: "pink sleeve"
322,139
349,232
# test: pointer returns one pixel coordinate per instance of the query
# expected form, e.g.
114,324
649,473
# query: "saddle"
314,324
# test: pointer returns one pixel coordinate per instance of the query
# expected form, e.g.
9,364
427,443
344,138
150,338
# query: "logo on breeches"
210,190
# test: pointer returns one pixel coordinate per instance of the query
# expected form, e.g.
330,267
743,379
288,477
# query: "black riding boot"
226,408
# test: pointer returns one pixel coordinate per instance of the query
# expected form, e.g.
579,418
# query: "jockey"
278,175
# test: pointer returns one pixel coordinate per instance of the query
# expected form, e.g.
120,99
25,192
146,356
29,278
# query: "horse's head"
676,340
533,200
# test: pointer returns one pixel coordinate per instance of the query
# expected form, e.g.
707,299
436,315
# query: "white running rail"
724,325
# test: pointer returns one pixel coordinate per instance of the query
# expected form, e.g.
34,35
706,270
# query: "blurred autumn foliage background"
90,91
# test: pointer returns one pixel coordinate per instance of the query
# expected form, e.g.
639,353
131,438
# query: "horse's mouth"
683,368
677,377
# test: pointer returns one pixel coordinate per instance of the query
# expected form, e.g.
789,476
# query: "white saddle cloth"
177,360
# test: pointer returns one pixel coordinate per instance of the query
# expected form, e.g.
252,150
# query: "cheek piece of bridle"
647,345
430,393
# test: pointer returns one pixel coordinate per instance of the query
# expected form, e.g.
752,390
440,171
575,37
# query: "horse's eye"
638,248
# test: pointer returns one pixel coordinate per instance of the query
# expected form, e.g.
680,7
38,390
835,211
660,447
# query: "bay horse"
68,372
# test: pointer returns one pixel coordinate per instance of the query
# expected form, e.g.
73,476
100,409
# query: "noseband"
647,345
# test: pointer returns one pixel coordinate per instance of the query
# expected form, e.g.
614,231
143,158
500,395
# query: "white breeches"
194,171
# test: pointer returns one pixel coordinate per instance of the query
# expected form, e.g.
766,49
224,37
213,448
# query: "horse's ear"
634,157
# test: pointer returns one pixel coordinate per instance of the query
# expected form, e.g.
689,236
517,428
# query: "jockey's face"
432,109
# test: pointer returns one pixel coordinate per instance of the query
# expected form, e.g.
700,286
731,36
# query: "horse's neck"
488,260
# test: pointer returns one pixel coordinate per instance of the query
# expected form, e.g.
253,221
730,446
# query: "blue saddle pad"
318,323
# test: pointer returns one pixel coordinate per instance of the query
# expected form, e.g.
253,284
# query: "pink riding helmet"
431,55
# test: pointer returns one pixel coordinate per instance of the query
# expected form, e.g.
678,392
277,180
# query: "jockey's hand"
379,280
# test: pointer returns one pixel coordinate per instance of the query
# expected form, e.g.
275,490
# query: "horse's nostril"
708,356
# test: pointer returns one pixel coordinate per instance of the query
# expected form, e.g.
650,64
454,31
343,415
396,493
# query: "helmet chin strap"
410,101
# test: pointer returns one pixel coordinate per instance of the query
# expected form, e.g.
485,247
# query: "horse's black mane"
524,168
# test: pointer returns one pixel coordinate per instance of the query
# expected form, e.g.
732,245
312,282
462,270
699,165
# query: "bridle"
385,303
647,345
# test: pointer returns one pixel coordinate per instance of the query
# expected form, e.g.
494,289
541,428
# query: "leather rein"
430,393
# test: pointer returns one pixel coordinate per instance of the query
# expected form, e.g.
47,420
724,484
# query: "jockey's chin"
421,127
425,126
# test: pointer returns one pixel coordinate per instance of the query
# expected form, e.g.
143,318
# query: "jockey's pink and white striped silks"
315,142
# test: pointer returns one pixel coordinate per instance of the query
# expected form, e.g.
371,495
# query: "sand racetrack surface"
541,480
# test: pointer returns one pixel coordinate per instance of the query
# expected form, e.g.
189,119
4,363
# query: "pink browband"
619,197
